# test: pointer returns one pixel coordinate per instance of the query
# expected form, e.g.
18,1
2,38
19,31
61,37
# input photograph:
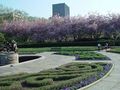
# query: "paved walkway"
111,82
48,61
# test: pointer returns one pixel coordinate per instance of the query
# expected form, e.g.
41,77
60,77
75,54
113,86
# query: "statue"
14,46
10,46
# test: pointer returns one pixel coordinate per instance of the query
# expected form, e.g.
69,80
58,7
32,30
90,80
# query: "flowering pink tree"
58,29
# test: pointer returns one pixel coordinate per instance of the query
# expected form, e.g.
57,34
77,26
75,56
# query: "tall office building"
60,9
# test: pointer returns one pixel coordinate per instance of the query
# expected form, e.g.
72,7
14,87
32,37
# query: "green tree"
2,38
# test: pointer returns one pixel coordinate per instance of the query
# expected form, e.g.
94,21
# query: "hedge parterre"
66,77
84,55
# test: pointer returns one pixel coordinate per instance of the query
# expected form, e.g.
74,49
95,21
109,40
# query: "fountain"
8,58
8,54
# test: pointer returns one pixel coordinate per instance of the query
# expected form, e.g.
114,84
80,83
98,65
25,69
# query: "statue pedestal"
8,58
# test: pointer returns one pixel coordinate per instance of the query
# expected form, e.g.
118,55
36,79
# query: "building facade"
61,10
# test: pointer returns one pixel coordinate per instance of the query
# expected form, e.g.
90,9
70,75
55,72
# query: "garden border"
85,59
90,85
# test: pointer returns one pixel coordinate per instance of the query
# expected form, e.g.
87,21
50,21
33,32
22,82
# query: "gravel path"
111,82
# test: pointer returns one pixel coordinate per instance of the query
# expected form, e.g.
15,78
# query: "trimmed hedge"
6,83
33,82
66,77
61,44
84,55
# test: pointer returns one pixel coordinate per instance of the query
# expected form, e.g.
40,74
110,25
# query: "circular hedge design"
67,77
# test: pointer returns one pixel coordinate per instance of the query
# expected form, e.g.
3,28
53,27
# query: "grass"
115,50
39,50
32,50
84,52
69,76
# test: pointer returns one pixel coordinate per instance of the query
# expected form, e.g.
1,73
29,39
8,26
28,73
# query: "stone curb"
27,62
90,85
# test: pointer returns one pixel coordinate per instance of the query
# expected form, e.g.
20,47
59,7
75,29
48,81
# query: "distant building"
61,10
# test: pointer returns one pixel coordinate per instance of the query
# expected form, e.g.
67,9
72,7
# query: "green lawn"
39,50
72,75
84,52
32,50
115,50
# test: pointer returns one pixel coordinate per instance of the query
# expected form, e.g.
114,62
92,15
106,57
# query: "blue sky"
43,8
